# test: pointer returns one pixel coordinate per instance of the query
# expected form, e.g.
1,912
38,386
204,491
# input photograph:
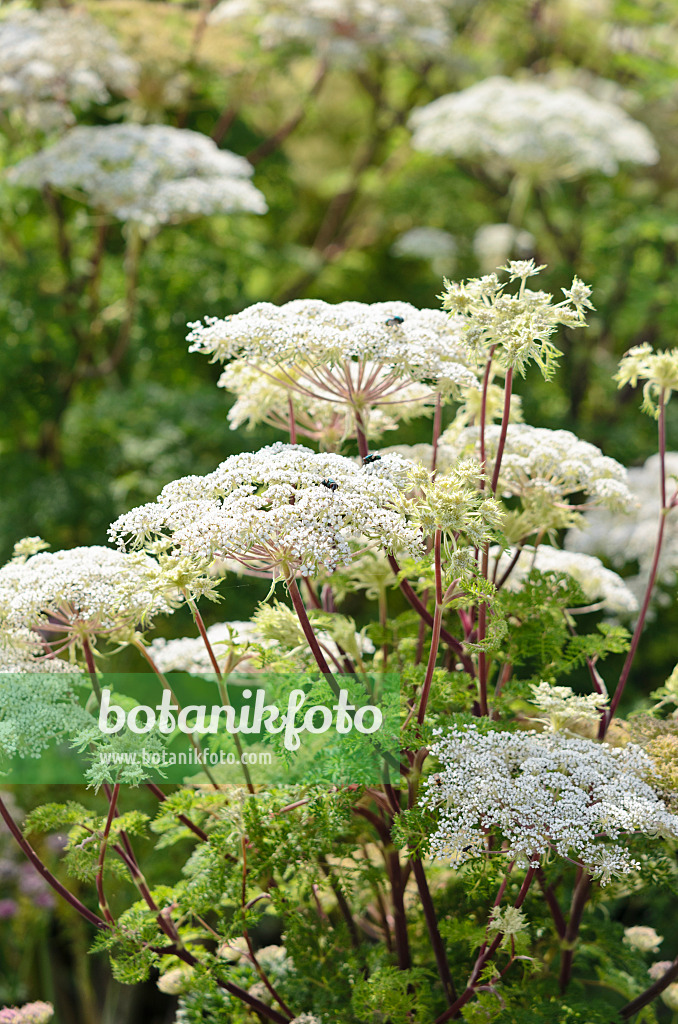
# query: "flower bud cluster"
453,503
659,370
643,938
517,327
561,705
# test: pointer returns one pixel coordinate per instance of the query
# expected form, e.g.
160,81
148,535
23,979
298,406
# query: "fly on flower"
331,484
394,321
369,458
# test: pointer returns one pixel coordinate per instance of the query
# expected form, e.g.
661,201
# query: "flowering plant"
514,806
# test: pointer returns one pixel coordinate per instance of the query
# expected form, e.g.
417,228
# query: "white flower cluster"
544,793
543,466
83,591
643,938
282,510
562,705
600,586
35,667
343,30
424,344
533,129
623,539
53,60
176,980
151,174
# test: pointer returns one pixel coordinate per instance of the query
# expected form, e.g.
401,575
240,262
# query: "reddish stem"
651,993
156,790
580,897
483,416
434,932
33,857
103,903
486,953
220,677
361,437
504,428
663,512
552,904
424,614
437,623
91,668
311,638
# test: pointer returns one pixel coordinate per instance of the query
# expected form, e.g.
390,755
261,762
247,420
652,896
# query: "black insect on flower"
437,781
394,321
331,484
367,459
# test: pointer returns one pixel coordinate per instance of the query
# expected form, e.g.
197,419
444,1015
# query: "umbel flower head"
54,60
350,354
81,593
643,938
561,705
281,511
544,468
150,174
263,396
515,328
542,794
627,537
532,128
344,31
